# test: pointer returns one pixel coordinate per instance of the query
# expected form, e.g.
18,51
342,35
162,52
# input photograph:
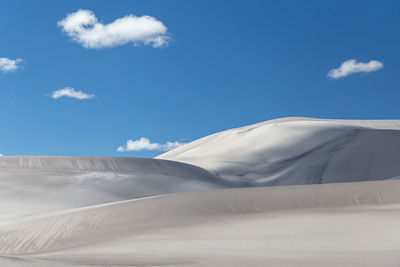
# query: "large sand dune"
298,151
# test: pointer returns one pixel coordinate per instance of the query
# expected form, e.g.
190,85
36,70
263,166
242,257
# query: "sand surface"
207,203
39,184
349,224
298,151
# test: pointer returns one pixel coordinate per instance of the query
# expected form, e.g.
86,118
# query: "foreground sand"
349,224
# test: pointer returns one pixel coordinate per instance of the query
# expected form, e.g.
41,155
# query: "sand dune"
35,185
298,151
283,226
184,208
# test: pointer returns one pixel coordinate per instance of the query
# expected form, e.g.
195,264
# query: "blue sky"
224,64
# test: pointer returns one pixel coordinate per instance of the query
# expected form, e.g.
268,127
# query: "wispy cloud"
352,66
84,28
145,144
7,65
70,92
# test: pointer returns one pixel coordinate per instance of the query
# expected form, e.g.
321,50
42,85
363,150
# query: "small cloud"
145,144
7,65
84,28
352,66
70,92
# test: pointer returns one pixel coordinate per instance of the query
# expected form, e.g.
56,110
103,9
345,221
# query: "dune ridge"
86,163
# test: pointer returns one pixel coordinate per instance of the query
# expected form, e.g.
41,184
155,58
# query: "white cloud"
84,28
352,66
145,144
7,65
70,92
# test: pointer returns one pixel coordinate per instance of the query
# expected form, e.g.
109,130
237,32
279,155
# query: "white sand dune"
298,151
348,224
181,209
38,184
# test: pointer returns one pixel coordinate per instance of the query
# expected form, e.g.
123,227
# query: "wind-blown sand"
90,211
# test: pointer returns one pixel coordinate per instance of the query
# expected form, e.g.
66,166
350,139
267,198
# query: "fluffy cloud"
145,144
7,65
70,92
84,28
352,66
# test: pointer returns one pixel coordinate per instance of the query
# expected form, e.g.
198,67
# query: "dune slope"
305,225
38,184
298,151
